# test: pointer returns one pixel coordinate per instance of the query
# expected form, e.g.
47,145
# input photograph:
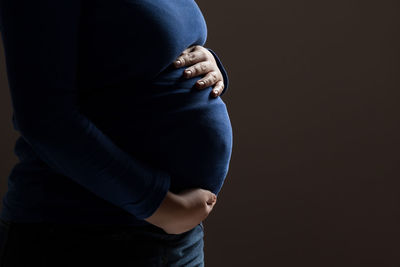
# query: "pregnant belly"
195,142
172,127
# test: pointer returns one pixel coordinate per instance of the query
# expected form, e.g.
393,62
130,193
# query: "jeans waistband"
112,232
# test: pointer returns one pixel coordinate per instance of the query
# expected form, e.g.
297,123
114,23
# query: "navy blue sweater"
108,125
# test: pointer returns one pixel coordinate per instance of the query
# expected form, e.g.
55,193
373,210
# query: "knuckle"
203,66
197,69
191,57
210,57
205,55
213,76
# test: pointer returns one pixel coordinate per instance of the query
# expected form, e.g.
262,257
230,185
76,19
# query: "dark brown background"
313,100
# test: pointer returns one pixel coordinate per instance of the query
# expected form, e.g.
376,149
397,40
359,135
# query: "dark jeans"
56,245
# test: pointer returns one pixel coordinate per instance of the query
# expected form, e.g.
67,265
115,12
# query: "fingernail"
215,91
201,83
178,62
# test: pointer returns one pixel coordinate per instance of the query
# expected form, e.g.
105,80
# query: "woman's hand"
201,61
181,212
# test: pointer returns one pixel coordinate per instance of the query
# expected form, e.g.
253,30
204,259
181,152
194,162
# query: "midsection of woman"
175,127
152,112
128,88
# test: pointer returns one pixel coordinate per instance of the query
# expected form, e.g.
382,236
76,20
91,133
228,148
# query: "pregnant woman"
121,153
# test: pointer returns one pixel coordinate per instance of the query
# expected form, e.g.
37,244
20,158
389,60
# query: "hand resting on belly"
180,129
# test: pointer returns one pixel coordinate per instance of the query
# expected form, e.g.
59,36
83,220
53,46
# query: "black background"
314,105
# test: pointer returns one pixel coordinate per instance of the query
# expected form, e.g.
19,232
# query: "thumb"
212,198
211,206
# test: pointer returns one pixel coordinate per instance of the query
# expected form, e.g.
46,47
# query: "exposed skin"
181,212
201,61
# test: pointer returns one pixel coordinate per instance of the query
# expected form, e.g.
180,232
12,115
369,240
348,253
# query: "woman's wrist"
165,211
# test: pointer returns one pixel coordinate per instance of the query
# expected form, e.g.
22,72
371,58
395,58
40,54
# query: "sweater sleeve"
41,49
223,71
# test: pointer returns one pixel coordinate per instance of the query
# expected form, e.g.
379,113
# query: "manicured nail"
178,62
215,91
188,72
201,83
